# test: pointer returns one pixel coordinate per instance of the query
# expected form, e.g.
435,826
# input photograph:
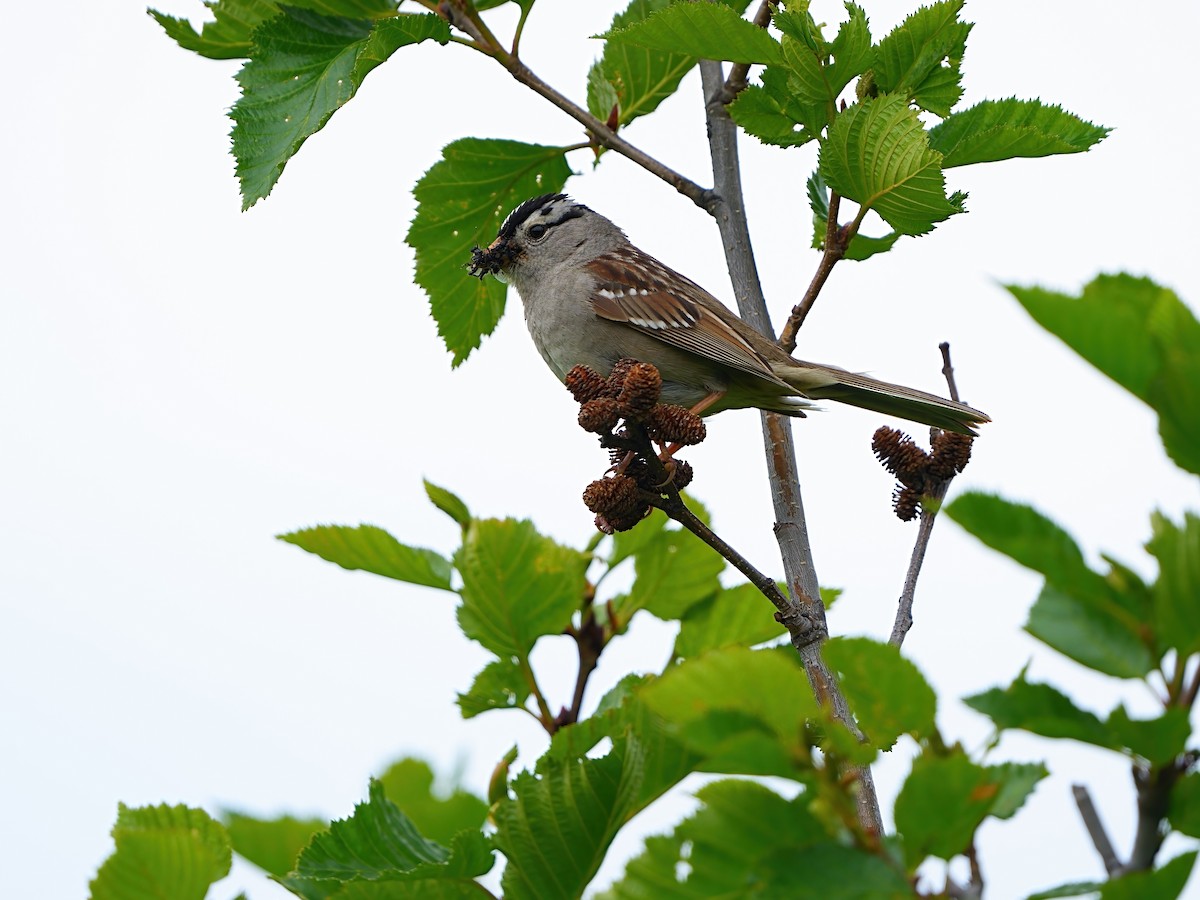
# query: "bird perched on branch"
592,298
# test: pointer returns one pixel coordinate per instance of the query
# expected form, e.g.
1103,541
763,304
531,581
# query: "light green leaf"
734,617
861,246
920,59
517,585
162,851
271,844
1016,781
1158,740
1073,889
887,693
762,114
558,825
878,155
449,503
302,67
943,801
380,844
1185,805
1143,337
821,71
633,78
1164,883
1008,129
227,36
675,571
408,783
704,30
461,202
1177,590
373,550
501,685
1041,709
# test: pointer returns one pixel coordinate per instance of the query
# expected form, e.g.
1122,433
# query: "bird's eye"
537,232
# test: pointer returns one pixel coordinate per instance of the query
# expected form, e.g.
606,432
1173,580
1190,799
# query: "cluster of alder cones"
920,473
629,395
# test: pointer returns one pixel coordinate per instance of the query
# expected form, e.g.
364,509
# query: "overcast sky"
180,381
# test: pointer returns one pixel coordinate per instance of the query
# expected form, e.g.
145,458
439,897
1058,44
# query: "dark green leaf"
517,585
1177,591
1074,889
1158,740
1097,634
1164,883
302,67
1007,129
1144,338
861,246
675,571
461,203
739,616
373,550
887,693
921,57
1043,710
1185,805
271,844
559,823
704,30
878,155
227,36
162,851
408,783
380,843
632,78
821,71
449,503
760,114
941,804
501,685
1016,781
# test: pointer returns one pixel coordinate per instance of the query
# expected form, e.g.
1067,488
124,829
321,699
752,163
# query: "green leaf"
887,693
734,617
1073,889
500,685
1008,129
449,503
861,246
380,844
675,571
878,155
632,78
1164,883
821,71
517,585
703,30
1016,781
557,827
1078,612
227,36
373,550
461,203
1158,740
1041,709
943,801
1177,590
162,851
302,68
1142,336
760,113
921,57
271,844
1185,805
408,783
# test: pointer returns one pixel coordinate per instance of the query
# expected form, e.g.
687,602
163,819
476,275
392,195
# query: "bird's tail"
830,383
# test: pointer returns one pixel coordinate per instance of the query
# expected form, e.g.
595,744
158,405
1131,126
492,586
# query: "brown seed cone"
670,424
585,384
617,502
906,502
599,416
951,453
683,474
641,388
616,378
900,455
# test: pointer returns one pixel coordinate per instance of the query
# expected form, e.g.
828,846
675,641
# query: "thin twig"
1095,829
835,249
948,370
904,619
791,530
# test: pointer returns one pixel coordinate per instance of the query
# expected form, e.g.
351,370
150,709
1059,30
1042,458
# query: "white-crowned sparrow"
591,298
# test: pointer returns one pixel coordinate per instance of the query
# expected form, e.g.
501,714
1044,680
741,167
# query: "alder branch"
1095,829
837,241
791,530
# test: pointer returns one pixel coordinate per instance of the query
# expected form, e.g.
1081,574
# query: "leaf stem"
545,717
516,41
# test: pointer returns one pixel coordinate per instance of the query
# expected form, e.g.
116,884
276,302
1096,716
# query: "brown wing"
639,291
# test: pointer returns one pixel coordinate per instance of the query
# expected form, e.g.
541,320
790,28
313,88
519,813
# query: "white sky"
180,381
